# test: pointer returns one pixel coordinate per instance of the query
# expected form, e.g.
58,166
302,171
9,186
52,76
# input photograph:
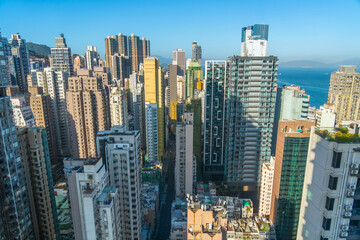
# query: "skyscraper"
154,94
179,60
115,44
120,67
135,52
172,84
330,196
239,115
121,152
15,218
194,79
290,163
254,40
55,83
344,93
185,162
145,43
36,156
87,113
194,105
92,57
41,107
152,132
61,56
196,53
291,104
21,62
94,203
22,114
119,107
137,110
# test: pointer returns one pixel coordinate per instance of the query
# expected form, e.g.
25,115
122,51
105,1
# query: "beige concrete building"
115,44
87,113
36,161
40,104
267,178
344,93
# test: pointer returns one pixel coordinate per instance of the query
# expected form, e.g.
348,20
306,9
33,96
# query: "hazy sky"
325,30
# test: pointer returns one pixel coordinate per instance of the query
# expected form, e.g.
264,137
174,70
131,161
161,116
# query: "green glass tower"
291,185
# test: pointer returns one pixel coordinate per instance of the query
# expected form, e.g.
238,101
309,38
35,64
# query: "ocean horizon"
315,81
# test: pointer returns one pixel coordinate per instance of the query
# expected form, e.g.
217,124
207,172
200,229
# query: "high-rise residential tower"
121,152
194,79
239,114
135,52
37,165
119,107
61,56
179,60
254,40
21,62
94,203
145,44
55,83
87,113
120,67
115,44
331,192
196,53
290,163
15,218
41,107
344,93
92,57
185,163
154,94
291,104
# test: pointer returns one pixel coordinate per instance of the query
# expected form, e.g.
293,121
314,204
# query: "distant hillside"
38,50
316,64
164,61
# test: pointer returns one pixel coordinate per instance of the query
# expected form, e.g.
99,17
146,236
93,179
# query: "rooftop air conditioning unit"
354,172
345,228
344,234
350,193
347,214
348,207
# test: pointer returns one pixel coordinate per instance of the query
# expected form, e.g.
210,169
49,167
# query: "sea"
315,81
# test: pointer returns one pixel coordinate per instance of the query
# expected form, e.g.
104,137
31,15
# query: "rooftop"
339,135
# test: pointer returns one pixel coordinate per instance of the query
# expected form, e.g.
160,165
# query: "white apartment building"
330,201
267,179
325,116
151,128
122,154
22,114
94,204
185,168
55,83
119,107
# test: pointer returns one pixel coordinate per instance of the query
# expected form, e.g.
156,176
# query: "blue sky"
313,30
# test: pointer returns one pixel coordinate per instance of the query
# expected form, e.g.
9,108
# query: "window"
336,161
321,238
326,224
329,205
333,183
